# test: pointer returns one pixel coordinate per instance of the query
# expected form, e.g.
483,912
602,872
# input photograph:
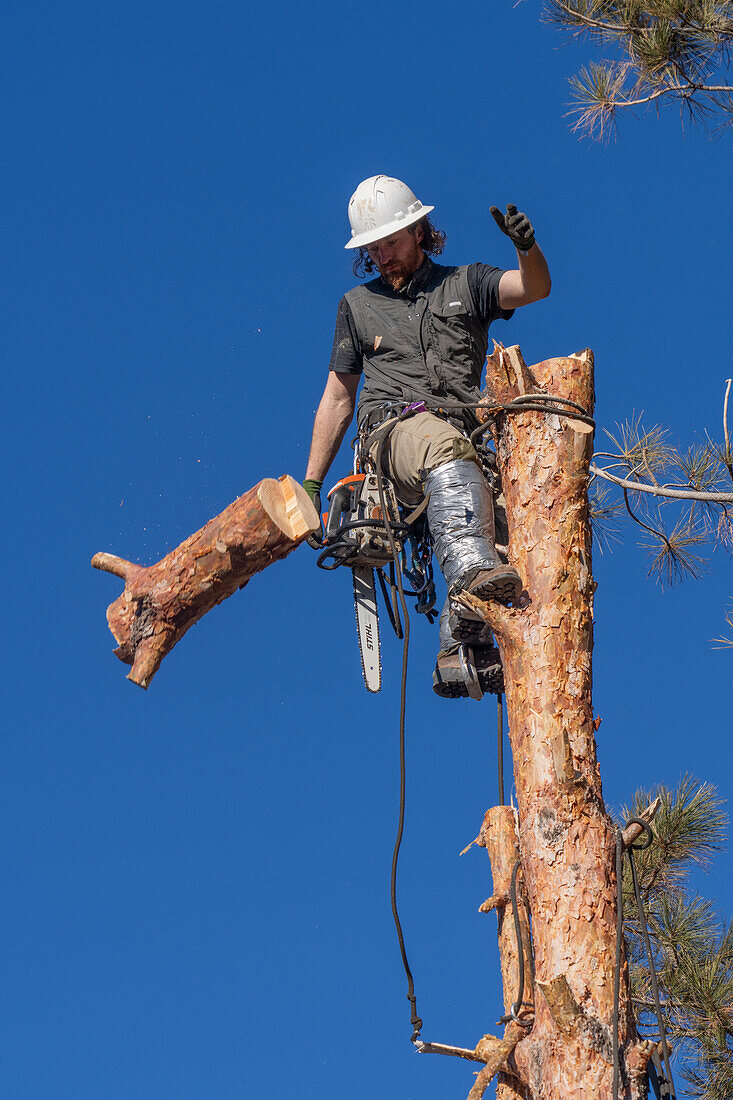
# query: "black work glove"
313,488
516,225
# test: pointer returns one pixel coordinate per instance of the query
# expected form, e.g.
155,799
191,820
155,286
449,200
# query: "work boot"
464,671
461,522
457,625
502,583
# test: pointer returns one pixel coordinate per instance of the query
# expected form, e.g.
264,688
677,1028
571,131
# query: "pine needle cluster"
605,512
657,479
723,643
662,51
692,946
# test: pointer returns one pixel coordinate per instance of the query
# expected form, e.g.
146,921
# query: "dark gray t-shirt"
483,282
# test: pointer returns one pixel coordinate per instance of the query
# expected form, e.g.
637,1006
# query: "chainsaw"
356,535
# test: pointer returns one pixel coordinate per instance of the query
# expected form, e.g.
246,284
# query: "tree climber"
419,332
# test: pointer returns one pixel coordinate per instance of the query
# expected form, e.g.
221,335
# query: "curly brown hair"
433,243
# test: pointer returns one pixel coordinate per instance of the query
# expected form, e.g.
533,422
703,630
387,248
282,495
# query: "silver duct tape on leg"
461,519
445,638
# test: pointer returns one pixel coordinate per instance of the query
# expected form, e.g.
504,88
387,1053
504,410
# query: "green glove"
516,225
312,486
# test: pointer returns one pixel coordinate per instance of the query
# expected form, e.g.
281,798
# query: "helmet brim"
382,231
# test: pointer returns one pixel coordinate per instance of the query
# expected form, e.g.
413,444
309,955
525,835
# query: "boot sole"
504,588
466,630
450,684
493,685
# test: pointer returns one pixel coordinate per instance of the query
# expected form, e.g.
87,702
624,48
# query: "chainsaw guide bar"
367,625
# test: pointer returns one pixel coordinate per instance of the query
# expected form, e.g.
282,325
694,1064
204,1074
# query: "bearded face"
398,256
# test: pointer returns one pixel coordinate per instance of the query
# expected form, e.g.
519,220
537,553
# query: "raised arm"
531,280
333,417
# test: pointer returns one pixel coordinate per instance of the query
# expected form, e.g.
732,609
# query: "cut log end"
579,426
632,832
288,506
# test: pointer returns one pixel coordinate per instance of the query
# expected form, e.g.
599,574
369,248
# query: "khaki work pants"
420,444
416,446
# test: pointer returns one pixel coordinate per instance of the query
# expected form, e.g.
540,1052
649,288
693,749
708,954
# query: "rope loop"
516,1008
648,838
534,402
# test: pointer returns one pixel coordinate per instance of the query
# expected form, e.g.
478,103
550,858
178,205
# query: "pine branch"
666,51
647,467
671,493
689,828
693,952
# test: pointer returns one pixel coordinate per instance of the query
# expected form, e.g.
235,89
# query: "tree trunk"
160,602
567,839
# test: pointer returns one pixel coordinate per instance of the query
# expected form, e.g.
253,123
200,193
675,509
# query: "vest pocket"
451,324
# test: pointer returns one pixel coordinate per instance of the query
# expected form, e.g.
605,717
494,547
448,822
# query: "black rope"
665,1085
660,1086
534,402
392,610
517,1006
414,1018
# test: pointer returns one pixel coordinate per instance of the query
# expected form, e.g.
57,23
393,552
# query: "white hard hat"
382,205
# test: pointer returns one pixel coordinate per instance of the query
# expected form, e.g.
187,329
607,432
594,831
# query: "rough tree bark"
498,835
567,839
160,602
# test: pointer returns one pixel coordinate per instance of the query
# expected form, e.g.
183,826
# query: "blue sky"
196,898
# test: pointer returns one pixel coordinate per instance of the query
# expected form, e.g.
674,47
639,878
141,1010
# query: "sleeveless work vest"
421,344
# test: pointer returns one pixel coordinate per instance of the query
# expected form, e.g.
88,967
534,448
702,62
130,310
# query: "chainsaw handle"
339,553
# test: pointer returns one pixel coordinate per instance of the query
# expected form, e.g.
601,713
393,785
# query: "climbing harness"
661,1079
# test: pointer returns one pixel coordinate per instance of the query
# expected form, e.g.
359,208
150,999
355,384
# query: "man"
419,332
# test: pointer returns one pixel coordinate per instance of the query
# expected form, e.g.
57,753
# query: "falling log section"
160,602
